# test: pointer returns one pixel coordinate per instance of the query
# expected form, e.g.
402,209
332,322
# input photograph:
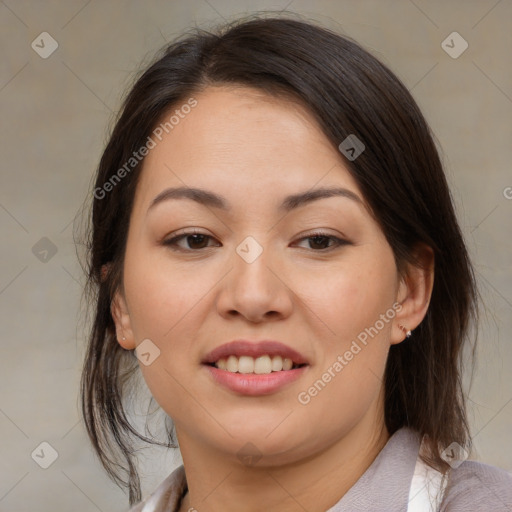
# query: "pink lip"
254,349
253,384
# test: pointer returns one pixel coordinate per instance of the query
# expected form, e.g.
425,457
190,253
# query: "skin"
254,150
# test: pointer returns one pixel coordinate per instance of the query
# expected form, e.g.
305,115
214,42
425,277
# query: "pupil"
317,238
194,237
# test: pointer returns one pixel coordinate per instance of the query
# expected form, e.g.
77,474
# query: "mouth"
261,357
261,365
255,368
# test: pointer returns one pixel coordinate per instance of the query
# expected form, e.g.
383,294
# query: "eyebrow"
213,200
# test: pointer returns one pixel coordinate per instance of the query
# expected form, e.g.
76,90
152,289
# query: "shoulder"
477,486
167,496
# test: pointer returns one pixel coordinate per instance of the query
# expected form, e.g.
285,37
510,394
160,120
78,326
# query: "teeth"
232,364
245,364
260,365
277,363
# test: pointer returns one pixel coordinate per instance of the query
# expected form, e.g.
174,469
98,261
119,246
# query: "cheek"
344,398
351,296
355,341
167,304
161,296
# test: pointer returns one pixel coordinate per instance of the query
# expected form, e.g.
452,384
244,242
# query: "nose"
255,289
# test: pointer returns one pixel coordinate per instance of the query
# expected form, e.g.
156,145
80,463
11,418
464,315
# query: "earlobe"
414,293
407,332
121,318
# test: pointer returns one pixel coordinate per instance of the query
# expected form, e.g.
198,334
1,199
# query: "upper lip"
254,349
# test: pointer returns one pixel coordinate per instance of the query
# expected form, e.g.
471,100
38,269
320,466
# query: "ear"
121,318
414,293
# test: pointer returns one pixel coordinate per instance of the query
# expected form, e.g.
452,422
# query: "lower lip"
253,384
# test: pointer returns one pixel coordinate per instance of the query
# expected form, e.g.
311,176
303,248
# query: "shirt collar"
383,487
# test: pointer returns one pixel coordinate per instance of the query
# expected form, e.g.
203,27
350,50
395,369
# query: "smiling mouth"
261,365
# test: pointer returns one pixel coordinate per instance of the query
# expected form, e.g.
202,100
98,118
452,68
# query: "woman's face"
316,275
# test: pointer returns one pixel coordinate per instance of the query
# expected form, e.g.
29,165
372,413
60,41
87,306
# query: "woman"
273,237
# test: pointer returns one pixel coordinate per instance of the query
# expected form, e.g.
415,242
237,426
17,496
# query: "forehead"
243,141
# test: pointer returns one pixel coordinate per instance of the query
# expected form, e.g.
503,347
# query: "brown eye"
319,242
196,241
323,242
193,241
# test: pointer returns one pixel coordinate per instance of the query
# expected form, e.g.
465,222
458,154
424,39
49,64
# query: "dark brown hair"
348,91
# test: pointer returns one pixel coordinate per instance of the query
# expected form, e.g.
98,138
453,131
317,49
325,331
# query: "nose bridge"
254,289
250,250
252,264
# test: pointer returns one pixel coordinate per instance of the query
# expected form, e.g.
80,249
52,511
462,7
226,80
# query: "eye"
320,241
195,241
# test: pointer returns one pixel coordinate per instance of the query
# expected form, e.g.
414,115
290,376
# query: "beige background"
55,118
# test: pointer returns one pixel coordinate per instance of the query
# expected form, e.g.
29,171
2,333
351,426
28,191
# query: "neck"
316,483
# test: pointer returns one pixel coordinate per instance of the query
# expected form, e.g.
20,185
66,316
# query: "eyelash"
171,242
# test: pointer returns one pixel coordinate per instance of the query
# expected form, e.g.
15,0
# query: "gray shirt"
385,485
